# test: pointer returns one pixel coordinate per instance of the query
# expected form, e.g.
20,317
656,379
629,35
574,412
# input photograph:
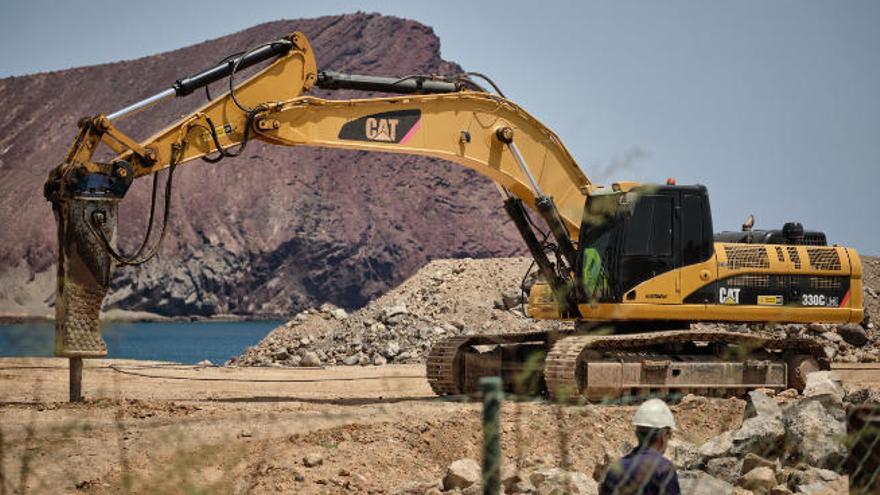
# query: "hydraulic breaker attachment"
84,268
84,205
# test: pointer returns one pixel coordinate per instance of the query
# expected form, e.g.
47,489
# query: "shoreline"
117,316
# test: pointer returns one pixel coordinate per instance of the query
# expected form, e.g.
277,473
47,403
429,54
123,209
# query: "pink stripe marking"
412,131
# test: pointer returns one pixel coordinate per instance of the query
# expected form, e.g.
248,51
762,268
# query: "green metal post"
490,386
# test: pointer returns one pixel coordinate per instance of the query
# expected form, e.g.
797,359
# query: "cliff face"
263,234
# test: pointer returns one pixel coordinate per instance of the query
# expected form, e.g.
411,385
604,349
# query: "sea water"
181,342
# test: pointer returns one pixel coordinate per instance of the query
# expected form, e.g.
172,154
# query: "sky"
774,106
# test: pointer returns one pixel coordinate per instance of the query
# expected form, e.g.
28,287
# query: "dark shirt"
641,472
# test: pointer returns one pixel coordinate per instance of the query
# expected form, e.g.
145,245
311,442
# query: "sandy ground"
161,428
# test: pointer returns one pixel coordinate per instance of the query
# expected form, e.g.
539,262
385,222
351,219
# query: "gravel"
444,299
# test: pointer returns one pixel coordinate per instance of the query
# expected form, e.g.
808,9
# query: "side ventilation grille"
824,258
824,283
779,255
793,255
757,281
746,257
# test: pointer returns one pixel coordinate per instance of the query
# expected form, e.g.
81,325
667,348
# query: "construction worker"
645,471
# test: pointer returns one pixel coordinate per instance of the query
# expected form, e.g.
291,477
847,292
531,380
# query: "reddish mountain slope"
265,233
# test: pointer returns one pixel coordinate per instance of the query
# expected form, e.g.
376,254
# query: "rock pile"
787,444
848,343
444,299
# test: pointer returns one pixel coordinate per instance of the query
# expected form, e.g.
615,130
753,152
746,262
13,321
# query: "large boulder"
853,334
717,446
725,468
825,388
683,454
761,404
762,431
815,436
751,461
461,474
759,480
761,435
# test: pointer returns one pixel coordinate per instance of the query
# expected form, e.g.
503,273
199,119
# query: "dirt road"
154,427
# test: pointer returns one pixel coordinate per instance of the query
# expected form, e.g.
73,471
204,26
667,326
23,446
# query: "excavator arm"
454,120
475,130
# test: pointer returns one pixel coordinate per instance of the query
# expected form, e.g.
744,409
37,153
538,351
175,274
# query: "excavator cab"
631,236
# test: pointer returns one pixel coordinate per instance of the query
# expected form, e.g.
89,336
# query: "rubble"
787,444
444,299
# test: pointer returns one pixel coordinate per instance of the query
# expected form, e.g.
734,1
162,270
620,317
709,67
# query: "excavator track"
565,365
447,366
454,365
441,366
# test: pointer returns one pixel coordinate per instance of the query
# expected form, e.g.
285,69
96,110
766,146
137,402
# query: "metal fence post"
490,386
76,370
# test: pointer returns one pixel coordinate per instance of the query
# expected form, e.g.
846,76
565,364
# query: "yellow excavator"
631,265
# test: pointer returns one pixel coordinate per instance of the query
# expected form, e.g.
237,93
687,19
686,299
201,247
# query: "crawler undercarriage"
576,366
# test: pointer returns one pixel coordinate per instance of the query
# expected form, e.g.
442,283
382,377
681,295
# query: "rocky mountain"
265,234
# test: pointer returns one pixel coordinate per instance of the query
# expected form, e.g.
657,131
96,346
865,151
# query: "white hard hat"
654,413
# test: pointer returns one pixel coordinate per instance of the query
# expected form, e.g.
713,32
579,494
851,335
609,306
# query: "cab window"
649,230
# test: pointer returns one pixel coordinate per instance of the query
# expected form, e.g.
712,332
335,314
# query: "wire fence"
162,428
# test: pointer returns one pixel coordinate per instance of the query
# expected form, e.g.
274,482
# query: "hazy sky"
775,106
